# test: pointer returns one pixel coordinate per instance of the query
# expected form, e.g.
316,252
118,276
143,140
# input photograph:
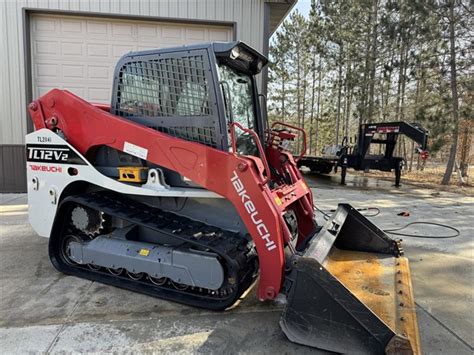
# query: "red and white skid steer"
180,190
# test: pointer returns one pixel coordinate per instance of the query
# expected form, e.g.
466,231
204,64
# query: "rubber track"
238,258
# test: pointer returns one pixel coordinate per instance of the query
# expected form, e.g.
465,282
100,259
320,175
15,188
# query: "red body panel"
237,178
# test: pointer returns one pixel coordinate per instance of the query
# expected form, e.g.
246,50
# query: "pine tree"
356,61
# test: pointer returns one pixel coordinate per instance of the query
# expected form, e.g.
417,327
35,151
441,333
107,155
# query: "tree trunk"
404,82
363,106
344,97
454,94
465,147
339,93
348,88
311,117
283,111
373,59
421,97
303,113
388,85
415,114
318,109
400,78
404,149
298,83
348,112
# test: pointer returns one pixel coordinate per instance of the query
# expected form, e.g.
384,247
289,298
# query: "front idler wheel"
66,248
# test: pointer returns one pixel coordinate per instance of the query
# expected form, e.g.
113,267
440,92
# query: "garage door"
80,53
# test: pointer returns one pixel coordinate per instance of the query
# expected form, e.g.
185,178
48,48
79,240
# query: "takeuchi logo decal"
252,211
46,168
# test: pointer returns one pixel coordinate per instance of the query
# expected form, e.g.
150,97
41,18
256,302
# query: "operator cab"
191,92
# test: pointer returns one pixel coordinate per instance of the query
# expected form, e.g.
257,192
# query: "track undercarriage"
234,252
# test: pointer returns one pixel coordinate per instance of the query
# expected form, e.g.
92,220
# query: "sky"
303,7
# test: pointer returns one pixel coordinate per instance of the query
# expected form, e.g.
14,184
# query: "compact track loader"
180,190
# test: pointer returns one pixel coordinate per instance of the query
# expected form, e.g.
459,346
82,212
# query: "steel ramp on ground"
351,291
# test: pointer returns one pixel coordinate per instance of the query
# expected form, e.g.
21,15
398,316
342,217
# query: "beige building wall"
246,14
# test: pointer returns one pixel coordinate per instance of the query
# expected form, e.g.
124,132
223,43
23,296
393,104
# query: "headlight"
234,53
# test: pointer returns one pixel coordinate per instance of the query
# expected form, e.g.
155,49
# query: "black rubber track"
239,260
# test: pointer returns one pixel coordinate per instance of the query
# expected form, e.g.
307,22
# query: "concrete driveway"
44,311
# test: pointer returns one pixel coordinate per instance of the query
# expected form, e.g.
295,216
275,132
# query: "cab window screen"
164,87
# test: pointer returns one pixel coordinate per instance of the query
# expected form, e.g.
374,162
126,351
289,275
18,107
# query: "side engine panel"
55,170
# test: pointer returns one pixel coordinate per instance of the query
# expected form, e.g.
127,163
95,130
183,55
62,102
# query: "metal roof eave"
279,9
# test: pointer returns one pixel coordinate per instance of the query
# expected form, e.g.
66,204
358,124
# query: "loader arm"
237,178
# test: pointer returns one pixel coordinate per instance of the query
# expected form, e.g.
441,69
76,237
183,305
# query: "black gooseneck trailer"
359,157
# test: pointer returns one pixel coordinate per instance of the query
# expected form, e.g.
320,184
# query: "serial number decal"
46,168
135,150
60,154
44,139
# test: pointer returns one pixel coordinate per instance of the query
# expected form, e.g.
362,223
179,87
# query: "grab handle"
303,132
257,142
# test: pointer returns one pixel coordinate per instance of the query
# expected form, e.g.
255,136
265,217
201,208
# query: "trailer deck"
360,157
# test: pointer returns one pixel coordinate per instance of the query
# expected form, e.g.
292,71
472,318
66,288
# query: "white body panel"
47,181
